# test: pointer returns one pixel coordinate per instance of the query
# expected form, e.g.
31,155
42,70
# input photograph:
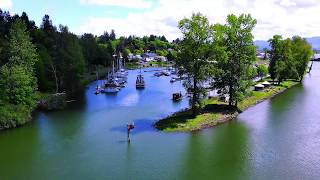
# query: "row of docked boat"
162,73
117,79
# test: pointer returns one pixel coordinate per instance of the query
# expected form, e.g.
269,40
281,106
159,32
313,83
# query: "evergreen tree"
17,82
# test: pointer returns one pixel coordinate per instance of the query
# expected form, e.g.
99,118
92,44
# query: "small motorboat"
177,96
110,90
158,74
98,90
173,80
166,73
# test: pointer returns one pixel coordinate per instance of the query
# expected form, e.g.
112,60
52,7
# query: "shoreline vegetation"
46,65
216,113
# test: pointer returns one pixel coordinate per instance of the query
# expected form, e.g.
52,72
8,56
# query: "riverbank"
12,116
215,112
136,65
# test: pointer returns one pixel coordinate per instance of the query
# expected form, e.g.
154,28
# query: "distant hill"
262,44
314,41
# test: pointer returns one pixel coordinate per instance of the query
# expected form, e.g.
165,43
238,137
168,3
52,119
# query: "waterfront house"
133,57
149,56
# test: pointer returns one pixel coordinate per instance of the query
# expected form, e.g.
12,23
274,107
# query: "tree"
17,82
265,50
112,35
18,85
302,52
72,65
194,55
89,48
282,65
236,71
22,51
262,71
275,54
172,55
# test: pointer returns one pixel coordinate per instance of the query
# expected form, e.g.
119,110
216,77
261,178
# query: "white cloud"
139,4
6,4
284,17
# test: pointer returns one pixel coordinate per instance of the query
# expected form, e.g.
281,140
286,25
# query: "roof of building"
259,86
266,83
150,54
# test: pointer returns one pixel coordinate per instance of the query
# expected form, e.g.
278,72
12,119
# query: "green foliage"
275,54
162,52
22,51
14,115
301,52
17,81
17,85
289,58
262,71
172,55
195,54
234,75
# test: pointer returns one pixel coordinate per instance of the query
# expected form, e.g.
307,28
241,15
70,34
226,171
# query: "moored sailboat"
140,83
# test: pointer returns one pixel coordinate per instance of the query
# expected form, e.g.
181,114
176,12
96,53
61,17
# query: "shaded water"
277,139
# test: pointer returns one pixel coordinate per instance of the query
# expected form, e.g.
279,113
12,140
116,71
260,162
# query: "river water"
277,139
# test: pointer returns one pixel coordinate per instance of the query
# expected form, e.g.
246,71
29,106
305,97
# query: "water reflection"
221,154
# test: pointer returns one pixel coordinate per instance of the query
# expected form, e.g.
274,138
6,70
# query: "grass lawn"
215,112
132,65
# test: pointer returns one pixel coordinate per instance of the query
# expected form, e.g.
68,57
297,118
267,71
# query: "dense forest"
51,59
48,59
64,57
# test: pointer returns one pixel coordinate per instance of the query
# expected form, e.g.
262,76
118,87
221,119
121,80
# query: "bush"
14,115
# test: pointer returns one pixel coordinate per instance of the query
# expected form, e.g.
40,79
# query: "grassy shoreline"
215,113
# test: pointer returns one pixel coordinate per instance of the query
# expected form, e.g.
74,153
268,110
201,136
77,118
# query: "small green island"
216,112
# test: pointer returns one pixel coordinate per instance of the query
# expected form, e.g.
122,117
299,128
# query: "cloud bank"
139,4
284,17
6,4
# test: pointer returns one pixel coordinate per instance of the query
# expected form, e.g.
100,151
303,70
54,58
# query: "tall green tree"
17,82
72,63
195,54
262,71
302,52
282,65
22,51
275,54
236,71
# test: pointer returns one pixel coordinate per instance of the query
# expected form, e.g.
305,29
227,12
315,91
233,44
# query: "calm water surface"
277,139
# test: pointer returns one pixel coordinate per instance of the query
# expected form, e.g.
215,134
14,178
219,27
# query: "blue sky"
70,12
160,17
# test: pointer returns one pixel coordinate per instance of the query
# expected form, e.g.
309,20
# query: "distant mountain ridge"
314,41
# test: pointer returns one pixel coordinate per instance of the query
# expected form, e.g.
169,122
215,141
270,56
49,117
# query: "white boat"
110,90
140,83
112,82
166,73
